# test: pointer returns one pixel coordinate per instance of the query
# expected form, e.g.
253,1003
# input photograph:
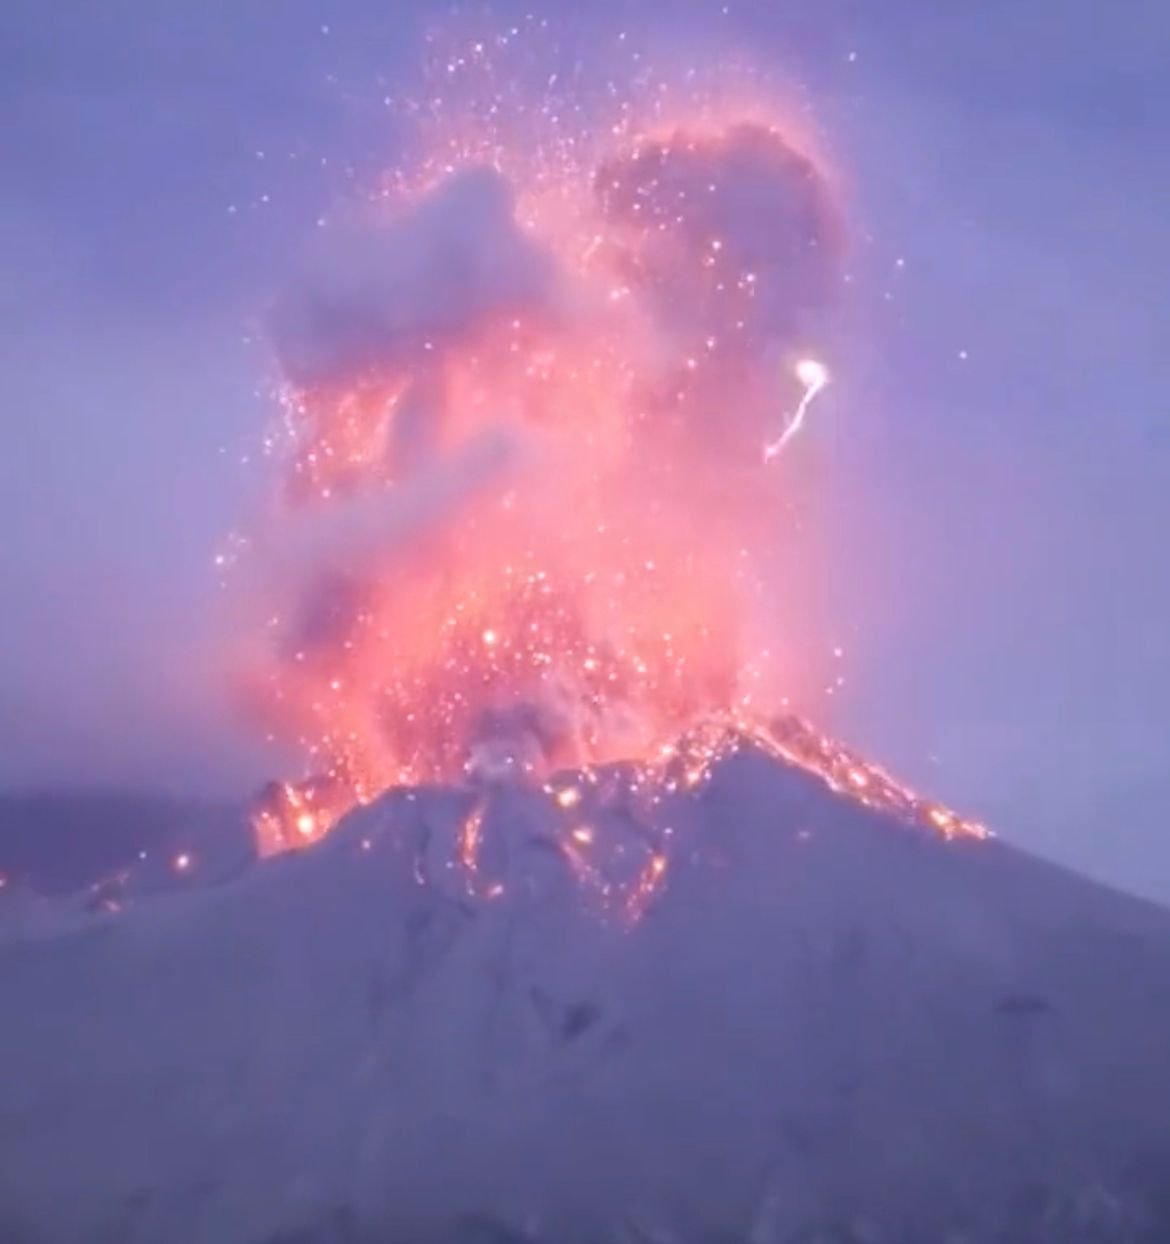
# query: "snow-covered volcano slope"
821,1017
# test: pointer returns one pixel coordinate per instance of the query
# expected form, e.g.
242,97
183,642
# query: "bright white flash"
814,376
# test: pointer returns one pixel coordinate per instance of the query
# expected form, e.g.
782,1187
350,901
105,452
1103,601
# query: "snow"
824,1017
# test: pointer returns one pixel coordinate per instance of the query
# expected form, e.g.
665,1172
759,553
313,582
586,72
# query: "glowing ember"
647,885
469,840
522,526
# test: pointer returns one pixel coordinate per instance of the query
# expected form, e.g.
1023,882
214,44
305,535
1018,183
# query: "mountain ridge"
821,1016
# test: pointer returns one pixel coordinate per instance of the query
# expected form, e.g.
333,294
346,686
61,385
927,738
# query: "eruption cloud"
522,523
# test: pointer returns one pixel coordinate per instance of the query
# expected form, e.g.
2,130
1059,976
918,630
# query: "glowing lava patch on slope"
523,524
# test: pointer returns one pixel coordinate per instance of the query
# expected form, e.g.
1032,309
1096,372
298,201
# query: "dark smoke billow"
726,229
391,294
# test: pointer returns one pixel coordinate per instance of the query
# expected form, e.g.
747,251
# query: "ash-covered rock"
819,1024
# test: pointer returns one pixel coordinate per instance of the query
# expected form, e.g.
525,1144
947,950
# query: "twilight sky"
995,453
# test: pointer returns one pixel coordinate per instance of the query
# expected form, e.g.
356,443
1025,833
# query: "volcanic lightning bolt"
813,376
522,527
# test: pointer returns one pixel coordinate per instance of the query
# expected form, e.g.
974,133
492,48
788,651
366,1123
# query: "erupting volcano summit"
587,935
529,515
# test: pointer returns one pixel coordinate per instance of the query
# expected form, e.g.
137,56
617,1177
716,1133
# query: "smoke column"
522,518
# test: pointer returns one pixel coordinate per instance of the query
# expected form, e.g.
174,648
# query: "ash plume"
729,230
523,513
386,293
386,300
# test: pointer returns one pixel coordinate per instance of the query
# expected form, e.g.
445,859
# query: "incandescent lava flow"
524,524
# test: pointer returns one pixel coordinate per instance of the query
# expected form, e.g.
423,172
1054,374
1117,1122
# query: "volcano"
488,1013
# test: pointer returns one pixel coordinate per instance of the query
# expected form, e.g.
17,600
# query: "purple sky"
1002,587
